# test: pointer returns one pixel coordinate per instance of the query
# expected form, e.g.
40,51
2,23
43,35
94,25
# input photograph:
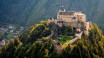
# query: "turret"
62,9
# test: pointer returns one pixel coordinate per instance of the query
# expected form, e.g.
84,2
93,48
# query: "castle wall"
81,17
71,18
67,18
87,25
76,16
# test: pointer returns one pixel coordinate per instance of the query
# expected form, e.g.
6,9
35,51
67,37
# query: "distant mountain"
28,12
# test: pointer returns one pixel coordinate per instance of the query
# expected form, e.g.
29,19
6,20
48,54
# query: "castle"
73,18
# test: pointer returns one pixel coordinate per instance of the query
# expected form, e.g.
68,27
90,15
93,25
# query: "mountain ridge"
28,12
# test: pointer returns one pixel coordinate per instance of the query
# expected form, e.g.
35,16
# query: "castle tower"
62,9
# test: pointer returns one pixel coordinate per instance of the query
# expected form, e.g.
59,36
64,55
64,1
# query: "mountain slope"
28,12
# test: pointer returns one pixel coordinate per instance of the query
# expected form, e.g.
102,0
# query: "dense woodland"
33,43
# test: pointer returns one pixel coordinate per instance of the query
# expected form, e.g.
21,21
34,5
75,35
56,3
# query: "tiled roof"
66,13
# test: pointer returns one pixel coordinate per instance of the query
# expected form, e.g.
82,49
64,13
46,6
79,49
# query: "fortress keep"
73,18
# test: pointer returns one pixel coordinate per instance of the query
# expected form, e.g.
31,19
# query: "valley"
9,32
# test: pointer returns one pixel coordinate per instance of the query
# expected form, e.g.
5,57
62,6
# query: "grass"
64,39
10,35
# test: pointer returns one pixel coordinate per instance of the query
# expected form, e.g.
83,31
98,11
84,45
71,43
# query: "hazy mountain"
32,11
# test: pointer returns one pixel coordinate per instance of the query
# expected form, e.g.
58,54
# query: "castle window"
74,18
80,17
60,22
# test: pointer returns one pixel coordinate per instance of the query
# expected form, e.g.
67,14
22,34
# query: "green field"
10,35
63,39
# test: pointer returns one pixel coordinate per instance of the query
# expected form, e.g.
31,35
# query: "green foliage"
28,45
41,50
9,49
35,32
66,30
91,46
10,35
44,22
64,39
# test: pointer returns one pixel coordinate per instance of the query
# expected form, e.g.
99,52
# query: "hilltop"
35,42
68,35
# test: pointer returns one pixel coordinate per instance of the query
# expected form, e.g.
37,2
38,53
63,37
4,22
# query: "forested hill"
32,11
36,43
